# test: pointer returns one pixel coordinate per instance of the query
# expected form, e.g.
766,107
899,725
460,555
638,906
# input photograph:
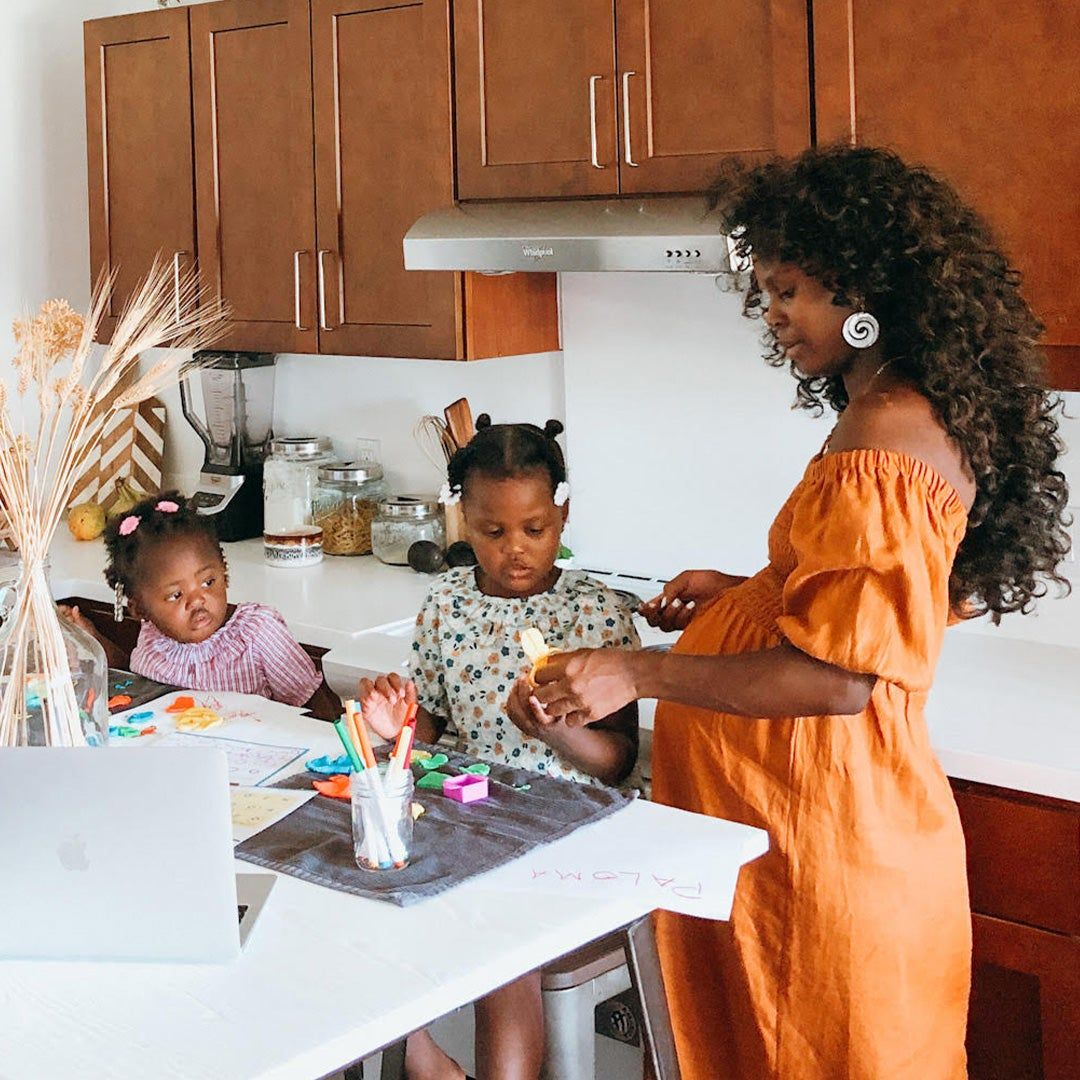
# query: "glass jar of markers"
403,520
347,497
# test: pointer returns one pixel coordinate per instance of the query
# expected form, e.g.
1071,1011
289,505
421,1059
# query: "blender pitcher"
238,402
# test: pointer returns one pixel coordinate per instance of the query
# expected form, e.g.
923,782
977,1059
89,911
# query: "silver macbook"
121,855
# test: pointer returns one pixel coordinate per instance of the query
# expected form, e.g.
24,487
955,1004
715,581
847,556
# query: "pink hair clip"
167,506
128,525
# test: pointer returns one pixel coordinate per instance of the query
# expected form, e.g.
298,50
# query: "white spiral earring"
861,330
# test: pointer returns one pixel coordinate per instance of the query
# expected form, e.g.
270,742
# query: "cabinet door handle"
177,256
627,146
593,80
296,289
323,325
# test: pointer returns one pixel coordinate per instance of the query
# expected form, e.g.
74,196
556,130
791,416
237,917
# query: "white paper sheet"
250,763
605,859
257,808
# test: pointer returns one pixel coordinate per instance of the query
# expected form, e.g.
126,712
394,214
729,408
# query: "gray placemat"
137,687
451,842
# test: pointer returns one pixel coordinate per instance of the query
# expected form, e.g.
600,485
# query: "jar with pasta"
347,498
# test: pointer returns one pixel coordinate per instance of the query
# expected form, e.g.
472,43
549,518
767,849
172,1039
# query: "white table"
326,978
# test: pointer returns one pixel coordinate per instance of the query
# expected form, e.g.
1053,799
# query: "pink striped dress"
253,653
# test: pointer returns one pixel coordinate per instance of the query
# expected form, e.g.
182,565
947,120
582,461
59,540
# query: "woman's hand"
585,686
684,596
385,703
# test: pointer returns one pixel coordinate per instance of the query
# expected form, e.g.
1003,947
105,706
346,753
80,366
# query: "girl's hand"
585,686
525,711
74,616
684,596
385,703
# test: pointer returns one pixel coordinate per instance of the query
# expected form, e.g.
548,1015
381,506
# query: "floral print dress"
467,655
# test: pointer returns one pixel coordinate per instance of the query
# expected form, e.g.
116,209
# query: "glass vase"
54,678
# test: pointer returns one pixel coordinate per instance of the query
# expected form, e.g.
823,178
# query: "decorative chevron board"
132,448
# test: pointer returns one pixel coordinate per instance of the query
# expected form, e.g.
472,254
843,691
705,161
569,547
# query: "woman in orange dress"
794,699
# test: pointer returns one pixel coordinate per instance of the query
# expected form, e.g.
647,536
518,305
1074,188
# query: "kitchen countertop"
1002,711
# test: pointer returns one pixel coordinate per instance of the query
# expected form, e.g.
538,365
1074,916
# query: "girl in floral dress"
469,675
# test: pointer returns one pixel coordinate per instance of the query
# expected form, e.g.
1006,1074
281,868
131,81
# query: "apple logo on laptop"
72,853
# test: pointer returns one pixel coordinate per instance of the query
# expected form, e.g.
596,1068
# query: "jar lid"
303,446
409,506
353,472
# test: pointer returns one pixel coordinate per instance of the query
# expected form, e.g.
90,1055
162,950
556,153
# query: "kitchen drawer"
1023,856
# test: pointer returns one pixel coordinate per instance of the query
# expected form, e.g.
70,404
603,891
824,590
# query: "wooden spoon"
459,420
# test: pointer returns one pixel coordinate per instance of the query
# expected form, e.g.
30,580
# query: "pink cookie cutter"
466,788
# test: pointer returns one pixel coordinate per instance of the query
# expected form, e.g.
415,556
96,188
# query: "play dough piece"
334,787
197,719
432,761
119,701
478,768
417,810
432,781
181,704
329,766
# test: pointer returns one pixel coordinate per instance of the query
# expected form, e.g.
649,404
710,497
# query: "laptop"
114,855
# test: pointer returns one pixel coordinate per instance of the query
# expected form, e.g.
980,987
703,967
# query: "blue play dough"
330,766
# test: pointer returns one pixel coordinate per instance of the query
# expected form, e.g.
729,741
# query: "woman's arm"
581,686
686,595
606,748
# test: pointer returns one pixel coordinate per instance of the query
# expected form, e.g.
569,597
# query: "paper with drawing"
669,858
257,808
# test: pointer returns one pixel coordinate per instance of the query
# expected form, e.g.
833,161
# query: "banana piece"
536,649
532,641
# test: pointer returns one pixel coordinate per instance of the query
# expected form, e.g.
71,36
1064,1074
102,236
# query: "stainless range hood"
661,232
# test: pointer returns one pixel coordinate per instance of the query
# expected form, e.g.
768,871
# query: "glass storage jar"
403,520
289,477
347,497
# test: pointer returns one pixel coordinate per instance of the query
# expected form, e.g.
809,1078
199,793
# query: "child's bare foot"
425,1060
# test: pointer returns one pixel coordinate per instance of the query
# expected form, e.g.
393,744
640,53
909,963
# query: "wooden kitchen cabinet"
536,98
701,80
1023,854
322,131
987,96
139,158
582,97
251,67
382,158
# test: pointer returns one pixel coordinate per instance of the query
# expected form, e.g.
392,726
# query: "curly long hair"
898,242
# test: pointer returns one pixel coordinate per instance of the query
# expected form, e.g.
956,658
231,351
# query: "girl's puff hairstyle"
898,242
503,451
138,534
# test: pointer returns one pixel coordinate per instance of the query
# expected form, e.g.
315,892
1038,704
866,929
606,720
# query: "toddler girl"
469,672
166,562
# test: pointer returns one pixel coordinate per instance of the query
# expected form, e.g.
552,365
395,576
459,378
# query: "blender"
238,400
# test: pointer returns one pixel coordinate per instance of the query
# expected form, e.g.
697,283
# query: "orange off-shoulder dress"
849,947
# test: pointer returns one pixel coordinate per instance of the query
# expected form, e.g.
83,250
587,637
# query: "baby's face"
182,589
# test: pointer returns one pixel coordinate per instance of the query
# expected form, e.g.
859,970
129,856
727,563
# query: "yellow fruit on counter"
124,498
86,521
